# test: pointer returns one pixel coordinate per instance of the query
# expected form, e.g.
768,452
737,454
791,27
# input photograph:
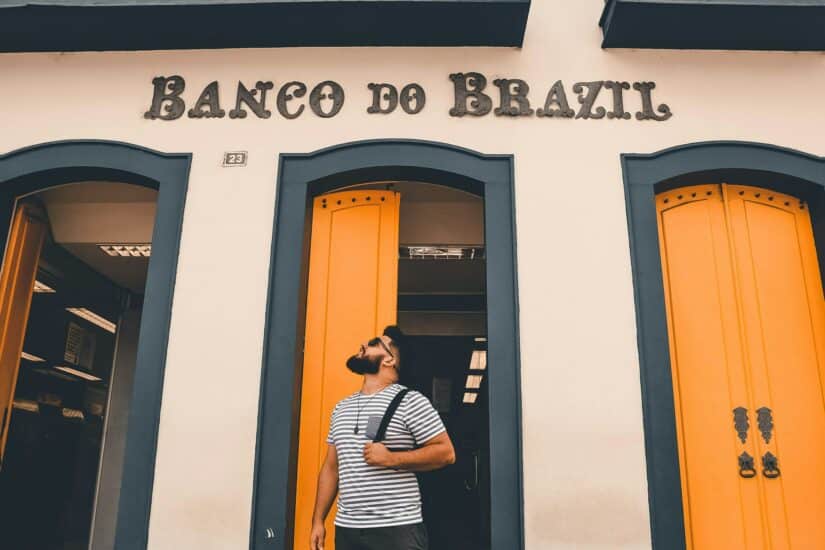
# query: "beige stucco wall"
584,466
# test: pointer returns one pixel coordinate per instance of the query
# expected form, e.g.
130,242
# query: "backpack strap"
391,408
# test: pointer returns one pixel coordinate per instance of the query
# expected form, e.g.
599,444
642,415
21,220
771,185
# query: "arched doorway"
726,242
41,167
302,177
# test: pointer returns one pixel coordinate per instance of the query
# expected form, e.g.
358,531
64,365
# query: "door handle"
764,420
770,466
746,467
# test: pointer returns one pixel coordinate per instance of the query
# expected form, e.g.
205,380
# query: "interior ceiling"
438,215
86,214
97,192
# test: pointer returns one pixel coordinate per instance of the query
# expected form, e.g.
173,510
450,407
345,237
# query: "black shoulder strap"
382,428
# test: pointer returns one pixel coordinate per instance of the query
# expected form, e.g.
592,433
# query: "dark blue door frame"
302,176
758,164
47,165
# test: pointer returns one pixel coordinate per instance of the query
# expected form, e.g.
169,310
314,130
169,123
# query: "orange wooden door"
784,325
351,297
746,321
17,277
709,371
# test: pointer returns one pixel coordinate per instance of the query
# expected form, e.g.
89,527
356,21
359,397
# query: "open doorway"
409,253
307,178
72,289
442,308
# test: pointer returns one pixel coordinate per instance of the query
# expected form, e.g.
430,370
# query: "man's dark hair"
394,333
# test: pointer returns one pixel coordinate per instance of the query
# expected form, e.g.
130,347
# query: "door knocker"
770,466
746,467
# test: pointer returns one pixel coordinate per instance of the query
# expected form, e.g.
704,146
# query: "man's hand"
376,454
316,539
432,455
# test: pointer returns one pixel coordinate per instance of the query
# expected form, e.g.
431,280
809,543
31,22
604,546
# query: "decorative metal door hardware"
740,422
770,466
746,467
764,419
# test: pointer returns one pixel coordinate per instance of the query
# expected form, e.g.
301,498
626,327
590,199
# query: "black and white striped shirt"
373,496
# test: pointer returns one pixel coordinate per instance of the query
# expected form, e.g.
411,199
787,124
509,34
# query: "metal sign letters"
473,97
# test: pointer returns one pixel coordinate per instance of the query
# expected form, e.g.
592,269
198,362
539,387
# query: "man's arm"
324,497
434,454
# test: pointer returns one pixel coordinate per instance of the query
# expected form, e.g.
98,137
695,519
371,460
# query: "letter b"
470,87
167,89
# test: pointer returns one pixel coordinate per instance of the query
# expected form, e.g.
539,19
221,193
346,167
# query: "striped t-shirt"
374,496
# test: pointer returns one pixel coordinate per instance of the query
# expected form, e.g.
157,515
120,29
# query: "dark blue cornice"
794,25
89,25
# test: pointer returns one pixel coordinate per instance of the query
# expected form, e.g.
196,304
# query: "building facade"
643,180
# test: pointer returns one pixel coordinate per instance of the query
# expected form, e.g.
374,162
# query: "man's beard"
363,365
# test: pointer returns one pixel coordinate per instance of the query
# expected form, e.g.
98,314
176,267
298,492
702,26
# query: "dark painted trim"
83,25
301,176
758,164
46,165
714,24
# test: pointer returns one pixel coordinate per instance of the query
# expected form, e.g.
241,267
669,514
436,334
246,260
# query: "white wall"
584,470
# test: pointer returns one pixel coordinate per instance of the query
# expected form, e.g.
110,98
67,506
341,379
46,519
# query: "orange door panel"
746,321
784,323
16,285
351,297
721,508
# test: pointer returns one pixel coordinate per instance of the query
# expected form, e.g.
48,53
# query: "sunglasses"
379,342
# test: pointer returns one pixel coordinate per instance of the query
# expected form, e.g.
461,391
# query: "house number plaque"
234,158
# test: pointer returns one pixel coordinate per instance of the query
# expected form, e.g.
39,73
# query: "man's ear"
389,361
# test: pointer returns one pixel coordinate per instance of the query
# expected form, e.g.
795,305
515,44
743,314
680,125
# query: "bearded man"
379,501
